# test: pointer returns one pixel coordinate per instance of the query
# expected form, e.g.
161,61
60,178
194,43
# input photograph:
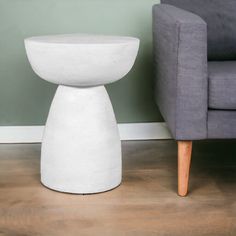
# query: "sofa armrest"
180,52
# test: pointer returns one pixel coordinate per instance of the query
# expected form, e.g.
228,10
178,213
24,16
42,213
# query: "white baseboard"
144,131
129,131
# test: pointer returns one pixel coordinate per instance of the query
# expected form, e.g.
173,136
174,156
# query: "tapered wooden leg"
184,159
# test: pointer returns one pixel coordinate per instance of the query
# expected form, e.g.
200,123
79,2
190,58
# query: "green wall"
25,99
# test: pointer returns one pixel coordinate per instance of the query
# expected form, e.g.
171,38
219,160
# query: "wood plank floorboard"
145,204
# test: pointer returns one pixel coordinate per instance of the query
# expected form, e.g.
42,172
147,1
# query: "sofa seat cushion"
222,85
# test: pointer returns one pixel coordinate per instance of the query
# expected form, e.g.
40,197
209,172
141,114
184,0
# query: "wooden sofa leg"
184,159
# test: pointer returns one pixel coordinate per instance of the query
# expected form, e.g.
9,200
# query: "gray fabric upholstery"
221,124
180,51
220,16
222,84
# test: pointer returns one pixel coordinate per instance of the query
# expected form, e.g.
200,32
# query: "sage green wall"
25,99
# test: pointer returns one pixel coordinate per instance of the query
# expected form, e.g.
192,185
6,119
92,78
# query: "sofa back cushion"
220,16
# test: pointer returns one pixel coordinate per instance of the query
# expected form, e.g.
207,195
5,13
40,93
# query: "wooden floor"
145,204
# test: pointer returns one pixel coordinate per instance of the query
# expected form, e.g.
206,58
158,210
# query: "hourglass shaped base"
81,149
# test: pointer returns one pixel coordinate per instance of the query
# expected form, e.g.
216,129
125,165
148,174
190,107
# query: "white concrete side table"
81,149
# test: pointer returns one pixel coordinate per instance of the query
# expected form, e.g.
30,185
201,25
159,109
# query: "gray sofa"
195,64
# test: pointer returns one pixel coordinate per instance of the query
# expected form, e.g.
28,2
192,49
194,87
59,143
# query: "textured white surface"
86,60
81,150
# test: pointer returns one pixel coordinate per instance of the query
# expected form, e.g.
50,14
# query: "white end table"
81,149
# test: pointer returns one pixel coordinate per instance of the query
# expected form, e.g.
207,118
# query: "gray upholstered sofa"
195,60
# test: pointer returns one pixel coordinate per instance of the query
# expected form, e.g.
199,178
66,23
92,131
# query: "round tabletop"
83,39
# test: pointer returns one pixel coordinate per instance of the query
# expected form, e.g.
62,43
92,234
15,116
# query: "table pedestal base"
81,149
